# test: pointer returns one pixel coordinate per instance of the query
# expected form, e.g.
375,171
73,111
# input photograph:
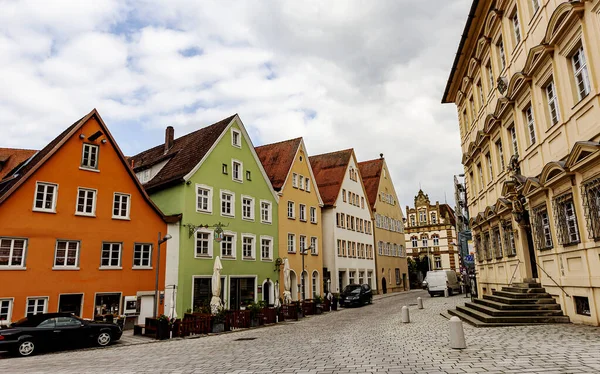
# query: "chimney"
169,135
381,156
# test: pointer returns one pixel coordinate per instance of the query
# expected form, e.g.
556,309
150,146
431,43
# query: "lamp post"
303,253
160,241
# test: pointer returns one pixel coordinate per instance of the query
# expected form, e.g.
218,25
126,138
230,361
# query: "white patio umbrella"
287,282
215,302
276,304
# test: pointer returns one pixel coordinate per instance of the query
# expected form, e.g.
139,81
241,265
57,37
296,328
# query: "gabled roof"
329,170
447,209
12,183
10,158
370,171
187,151
277,159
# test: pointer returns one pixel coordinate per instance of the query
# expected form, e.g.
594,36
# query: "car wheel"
371,300
430,294
450,291
25,348
104,339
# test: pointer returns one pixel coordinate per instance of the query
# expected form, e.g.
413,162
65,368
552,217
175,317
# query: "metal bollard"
405,315
420,303
446,292
457,334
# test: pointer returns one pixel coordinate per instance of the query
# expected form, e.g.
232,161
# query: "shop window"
582,305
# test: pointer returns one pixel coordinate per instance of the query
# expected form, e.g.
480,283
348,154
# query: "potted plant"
318,300
163,327
218,321
255,311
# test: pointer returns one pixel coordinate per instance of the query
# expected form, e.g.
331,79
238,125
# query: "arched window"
424,240
415,241
436,240
315,283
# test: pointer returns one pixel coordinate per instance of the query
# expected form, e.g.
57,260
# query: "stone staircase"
517,305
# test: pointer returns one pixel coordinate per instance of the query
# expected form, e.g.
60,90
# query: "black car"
51,330
356,294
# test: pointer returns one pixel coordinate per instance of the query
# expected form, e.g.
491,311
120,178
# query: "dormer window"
236,138
89,156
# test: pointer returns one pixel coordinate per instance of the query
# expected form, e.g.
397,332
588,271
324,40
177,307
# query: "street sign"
469,258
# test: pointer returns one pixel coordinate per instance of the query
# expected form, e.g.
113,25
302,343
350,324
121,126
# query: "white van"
439,280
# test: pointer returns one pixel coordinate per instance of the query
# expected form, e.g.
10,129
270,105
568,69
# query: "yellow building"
300,230
526,82
390,254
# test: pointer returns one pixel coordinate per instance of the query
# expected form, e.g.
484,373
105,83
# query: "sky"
367,75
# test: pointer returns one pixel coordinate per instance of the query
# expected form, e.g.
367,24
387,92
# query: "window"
121,205
45,197
265,212
516,27
380,248
203,244
490,74
302,243
488,160
12,252
414,241
351,276
486,246
566,219
228,246
472,107
501,54
541,226
302,209
438,262
86,202
315,283
580,72
362,202
591,203
247,207
248,175
424,241
369,278
5,311
342,220
344,195
291,244
313,245
237,171
422,216
433,217
465,121
307,184
552,103
313,214
500,152
294,180
266,248
236,138
36,306
111,255
497,242
203,199
67,254
224,169
582,305
513,139
530,124
142,255
536,5
247,247
480,92
509,238
481,180
412,220
436,240
301,182
89,156
227,204
339,247
291,210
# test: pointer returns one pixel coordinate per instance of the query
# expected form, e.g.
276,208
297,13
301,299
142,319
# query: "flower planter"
334,304
254,322
319,309
218,327
163,331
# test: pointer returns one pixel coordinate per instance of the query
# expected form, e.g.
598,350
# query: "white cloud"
361,74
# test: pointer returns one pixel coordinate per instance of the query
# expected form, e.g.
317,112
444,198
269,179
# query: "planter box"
218,327
163,331
319,309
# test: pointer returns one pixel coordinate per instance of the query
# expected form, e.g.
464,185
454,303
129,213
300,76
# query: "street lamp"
160,241
303,253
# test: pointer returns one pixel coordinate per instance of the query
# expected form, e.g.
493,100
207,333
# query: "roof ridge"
334,152
279,142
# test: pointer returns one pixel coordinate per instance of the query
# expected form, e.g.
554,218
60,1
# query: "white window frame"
488,160
581,72
239,137
233,245
232,205
110,258
269,211
301,182
144,247
127,207
307,184
252,256
209,198
291,208
240,173
513,139
552,100
501,53
516,26
210,242
89,165
302,212
294,180
301,239
313,214
291,239
536,5
252,207
500,152
490,72
314,243
11,253
86,191
44,201
530,124
36,301
270,248
77,250
8,319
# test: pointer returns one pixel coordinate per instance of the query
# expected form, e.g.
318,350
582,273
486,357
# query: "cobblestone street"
358,340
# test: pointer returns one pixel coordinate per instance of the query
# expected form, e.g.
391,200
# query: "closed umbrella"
276,304
215,302
287,282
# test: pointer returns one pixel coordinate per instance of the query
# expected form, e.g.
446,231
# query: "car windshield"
353,288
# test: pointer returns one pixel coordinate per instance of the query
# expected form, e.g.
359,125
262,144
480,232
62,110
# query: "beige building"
431,233
390,253
525,82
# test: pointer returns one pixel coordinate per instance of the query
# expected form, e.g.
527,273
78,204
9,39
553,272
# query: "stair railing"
514,272
552,279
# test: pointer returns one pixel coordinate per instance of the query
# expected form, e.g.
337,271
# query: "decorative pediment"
480,218
562,16
535,57
532,185
489,212
517,82
473,64
552,171
490,122
459,97
472,222
482,43
465,158
471,148
501,105
493,18
481,137
502,205
509,188
580,152
465,84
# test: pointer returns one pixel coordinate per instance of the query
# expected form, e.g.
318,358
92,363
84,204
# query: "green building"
213,176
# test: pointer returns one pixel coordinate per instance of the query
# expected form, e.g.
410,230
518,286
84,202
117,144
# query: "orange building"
77,231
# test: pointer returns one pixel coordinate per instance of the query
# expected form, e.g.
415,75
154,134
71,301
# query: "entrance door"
146,308
531,250
404,281
70,304
267,293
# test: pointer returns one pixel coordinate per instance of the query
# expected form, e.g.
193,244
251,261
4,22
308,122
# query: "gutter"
461,44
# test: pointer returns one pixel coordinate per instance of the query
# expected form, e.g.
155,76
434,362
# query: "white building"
348,245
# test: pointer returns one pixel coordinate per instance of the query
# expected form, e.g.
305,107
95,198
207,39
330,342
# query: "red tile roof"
329,170
187,151
370,172
11,158
277,159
